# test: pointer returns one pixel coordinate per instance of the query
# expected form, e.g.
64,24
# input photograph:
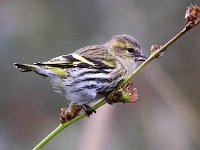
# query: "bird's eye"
130,50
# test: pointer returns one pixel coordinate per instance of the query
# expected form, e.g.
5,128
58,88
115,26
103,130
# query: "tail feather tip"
24,67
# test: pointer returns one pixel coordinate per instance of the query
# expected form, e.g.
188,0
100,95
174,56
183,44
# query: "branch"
191,19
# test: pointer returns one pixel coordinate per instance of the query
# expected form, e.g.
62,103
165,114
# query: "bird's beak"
141,57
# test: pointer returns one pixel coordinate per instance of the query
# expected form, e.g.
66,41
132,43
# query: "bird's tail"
37,68
25,67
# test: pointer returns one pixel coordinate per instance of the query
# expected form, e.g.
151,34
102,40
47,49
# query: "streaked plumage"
83,75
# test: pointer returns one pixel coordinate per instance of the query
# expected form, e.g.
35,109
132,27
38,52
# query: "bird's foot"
88,110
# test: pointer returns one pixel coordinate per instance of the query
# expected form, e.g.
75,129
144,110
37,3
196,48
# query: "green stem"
64,125
103,102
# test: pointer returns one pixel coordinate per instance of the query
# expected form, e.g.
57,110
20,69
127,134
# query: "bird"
82,76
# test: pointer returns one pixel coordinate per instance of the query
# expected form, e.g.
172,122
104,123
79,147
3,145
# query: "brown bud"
129,93
75,110
191,14
63,115
154,48
134,95
69,113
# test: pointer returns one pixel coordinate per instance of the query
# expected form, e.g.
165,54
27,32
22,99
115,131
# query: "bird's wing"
88,57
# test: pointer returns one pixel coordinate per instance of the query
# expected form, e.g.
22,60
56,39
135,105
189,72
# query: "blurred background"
167,116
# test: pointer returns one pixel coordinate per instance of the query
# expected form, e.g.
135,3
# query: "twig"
155,55
191,22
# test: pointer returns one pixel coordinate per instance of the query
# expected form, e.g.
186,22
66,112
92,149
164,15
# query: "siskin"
83,75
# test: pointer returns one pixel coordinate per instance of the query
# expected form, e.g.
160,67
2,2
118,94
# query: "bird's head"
126,47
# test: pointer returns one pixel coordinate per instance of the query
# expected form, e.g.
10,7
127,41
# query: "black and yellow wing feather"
96,57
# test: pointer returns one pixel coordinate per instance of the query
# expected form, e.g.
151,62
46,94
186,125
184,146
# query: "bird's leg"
88,110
